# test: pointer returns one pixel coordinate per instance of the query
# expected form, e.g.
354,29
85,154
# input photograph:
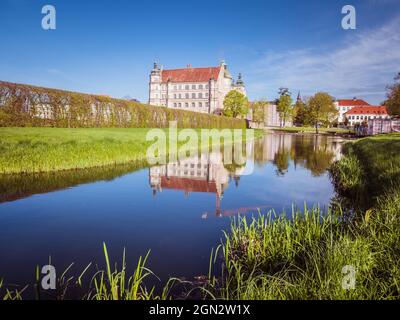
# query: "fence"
377,126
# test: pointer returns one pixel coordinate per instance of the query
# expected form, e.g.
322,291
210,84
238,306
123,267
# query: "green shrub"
24,105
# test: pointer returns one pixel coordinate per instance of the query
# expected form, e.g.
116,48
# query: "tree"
393,97
258,109
300,114
235,104
321,109
284,105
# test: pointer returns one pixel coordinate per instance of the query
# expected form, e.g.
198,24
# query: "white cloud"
361,66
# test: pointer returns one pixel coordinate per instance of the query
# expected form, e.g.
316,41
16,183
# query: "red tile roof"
352,102
189,185
368,110
190,74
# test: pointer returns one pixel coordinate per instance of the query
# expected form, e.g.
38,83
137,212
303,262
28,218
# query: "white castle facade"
193,89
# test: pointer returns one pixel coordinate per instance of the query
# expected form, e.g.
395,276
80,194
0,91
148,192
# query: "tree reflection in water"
313,152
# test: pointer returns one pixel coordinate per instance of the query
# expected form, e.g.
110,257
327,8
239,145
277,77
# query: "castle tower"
239,86
155,85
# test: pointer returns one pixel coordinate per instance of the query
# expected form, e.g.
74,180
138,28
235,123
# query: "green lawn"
49,149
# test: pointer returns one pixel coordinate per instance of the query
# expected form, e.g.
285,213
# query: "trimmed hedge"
25,105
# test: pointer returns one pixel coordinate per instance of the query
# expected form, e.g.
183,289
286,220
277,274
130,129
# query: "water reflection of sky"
71,223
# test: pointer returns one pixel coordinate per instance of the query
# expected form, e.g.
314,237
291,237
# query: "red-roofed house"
362,114
193,89
345,105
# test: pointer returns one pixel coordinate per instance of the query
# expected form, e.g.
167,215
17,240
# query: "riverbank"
30,150
311,130
350,254
370,169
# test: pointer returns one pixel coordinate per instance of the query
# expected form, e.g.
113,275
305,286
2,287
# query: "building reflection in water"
208,174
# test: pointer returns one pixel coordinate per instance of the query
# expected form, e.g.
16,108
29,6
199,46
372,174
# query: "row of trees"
318,110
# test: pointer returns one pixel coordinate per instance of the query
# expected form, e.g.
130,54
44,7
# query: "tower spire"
239,81
299,97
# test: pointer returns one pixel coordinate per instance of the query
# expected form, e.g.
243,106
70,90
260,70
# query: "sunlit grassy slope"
50,149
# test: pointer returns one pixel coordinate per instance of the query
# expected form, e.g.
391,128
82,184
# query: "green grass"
369,169
302,257
312,130
27,150
94,283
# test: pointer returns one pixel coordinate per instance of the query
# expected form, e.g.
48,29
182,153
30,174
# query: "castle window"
179,105
194,86
200,95
207,86
200,87
187,87
200,105
187,105
193,96
187,95
174,105
193,105
174,96
180,96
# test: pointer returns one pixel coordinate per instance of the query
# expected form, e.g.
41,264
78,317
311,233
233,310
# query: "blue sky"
108,47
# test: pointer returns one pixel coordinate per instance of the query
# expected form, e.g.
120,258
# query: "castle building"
361,114
345,105
193,89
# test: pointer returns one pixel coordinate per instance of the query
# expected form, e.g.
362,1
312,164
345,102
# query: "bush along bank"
25,106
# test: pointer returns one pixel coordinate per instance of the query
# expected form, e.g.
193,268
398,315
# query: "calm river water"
178,210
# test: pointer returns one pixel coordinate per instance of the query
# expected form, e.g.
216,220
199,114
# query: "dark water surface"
178,211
